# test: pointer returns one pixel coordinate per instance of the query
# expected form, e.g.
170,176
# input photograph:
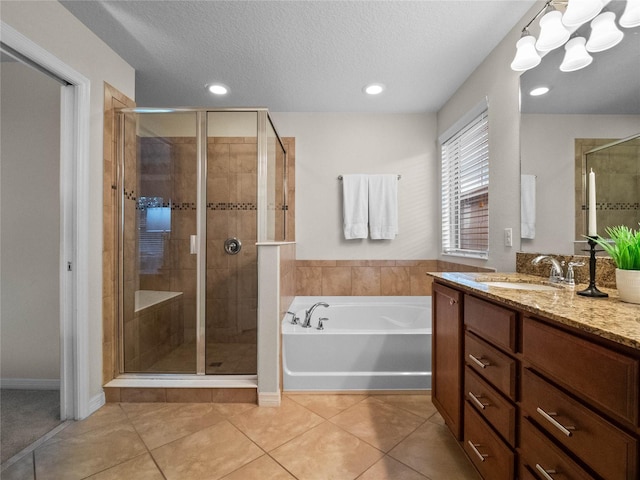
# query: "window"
154,225
465,189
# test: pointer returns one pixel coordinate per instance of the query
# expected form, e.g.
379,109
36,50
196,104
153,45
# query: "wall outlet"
508,237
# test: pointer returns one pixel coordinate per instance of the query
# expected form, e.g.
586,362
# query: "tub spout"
307,316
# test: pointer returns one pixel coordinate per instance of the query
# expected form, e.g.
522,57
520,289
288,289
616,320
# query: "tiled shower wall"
232,280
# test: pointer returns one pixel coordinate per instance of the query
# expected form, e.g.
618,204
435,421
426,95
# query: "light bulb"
604,33
552,32
526,55
576,55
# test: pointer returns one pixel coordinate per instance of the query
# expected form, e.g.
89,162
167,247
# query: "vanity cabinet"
490,387
579,396
539,400
447,358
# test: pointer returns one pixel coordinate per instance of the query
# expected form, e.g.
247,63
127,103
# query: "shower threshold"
155,380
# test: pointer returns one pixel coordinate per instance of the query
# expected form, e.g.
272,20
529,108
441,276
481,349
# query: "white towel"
355,207
383,206
528,206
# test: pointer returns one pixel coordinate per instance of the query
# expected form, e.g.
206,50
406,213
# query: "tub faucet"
307,316
556,275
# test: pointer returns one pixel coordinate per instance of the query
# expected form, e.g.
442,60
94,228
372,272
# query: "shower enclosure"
199,188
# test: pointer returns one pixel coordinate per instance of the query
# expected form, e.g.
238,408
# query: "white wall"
52,27
495,80
548,151
332,144
30,213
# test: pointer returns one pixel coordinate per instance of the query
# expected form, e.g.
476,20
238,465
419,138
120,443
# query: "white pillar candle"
593,227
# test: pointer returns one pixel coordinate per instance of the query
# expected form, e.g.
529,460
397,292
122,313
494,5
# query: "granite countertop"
609,318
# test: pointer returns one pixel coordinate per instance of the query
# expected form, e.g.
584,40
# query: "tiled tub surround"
371,277
608,318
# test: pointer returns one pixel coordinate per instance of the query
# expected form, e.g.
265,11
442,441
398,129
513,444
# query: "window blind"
465,190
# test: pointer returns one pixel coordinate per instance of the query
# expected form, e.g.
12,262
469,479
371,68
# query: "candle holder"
592,290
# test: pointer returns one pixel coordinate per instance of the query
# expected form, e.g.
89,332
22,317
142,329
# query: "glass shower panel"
232,265
159,217
276,187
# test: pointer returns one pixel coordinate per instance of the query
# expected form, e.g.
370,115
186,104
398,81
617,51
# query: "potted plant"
624,249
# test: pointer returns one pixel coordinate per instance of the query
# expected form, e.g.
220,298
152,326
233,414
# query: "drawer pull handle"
545,473
476,400
452,301
474,447
478,361
548,416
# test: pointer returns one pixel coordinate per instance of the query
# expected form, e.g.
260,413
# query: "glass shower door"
231,263
159,216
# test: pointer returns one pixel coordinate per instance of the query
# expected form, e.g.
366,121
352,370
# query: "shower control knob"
232,246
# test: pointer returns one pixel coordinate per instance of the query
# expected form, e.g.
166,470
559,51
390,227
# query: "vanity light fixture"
374,89
604,33
556,29
536,92
218,88
631,16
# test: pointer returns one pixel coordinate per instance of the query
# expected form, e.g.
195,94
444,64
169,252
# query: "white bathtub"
368,343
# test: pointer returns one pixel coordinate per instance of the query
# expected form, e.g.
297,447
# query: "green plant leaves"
625,249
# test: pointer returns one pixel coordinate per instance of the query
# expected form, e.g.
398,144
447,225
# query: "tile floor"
364,437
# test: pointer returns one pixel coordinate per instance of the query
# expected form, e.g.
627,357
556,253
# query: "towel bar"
340,177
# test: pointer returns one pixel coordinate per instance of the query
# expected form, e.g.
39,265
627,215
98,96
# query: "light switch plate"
508,237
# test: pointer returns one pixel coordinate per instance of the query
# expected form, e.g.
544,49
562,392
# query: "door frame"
74,221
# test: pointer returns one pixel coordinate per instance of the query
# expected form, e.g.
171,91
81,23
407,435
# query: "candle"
593,228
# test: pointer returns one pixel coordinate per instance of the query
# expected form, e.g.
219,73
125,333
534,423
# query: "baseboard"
269,399
30,383
96,402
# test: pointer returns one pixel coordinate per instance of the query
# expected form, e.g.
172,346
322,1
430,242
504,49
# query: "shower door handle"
193,245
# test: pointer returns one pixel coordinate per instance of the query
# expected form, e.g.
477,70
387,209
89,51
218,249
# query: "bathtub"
368,343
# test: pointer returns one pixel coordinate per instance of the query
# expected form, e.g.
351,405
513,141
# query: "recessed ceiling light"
536,92
374,89
218,88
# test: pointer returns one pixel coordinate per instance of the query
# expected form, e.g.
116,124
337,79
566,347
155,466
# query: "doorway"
30,255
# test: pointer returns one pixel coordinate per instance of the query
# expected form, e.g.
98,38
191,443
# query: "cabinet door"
447,356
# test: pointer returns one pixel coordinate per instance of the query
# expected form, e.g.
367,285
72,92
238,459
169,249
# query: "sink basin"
522,286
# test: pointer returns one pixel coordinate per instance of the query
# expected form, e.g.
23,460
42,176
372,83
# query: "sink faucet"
307,316
556,275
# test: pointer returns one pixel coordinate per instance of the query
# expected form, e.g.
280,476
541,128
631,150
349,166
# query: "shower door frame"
263,120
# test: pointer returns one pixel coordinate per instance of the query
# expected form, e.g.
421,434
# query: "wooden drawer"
537,453
608,450
494,323
491,456
494,366
500,413
605,378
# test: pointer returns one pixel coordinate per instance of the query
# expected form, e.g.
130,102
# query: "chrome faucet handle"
321,321
294,320
570,274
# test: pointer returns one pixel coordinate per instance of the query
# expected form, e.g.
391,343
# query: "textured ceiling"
301,55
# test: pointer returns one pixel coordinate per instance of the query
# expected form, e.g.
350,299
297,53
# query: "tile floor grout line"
153,459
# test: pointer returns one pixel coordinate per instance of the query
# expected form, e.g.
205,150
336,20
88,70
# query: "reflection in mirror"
617,184
598,104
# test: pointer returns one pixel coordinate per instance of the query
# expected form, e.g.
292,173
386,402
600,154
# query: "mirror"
601,103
